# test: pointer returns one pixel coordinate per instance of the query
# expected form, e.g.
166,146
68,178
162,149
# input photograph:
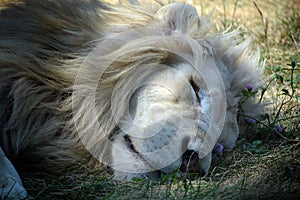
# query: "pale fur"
44,43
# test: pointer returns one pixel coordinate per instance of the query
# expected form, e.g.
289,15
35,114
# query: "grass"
266,161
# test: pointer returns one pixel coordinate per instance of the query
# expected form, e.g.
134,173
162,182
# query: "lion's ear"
177,17
172,24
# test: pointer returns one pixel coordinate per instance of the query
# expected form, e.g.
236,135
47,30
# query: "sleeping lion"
144,89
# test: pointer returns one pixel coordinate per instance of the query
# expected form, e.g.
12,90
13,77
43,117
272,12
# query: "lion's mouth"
195,94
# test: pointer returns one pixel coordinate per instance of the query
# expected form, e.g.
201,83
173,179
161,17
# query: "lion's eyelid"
196,89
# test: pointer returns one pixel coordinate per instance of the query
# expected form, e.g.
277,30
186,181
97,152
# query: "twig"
265,23
234,10
224,14
289,95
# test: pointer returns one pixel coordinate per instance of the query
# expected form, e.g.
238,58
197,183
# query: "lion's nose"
191,163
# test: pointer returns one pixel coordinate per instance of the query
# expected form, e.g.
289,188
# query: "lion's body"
42,47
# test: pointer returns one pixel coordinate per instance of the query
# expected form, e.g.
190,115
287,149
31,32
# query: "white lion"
142,89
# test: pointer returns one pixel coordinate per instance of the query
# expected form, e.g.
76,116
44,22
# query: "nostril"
190,155
190,162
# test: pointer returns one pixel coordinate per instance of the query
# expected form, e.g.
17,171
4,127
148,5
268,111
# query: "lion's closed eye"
195,93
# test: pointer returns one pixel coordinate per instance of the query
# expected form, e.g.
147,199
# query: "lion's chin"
172,167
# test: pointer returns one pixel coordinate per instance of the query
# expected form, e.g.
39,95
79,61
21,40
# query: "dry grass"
265,164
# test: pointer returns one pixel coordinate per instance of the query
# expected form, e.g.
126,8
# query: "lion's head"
160,96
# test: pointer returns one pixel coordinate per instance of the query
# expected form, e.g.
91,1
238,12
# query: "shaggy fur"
43,117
